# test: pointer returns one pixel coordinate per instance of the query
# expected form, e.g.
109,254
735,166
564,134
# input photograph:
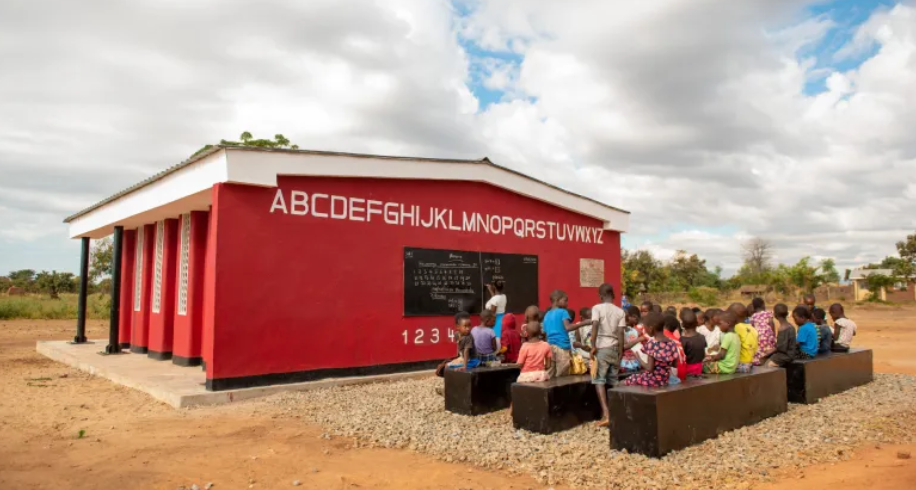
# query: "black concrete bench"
555,405
656,421
480,390
828,374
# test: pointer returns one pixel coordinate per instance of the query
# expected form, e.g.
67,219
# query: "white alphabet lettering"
431,219
507,224
369,210
496,222
356,207
343,212
529,227
563,236
298,203
440,218
315,198
279,203
541,232
451,224
600,234
483,223
550,226
518,226
391,213
405,215
468,223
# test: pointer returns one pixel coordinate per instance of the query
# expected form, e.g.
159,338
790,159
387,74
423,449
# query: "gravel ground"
410,414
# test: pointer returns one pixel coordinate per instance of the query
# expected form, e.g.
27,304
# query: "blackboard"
441,282
520,274
444,282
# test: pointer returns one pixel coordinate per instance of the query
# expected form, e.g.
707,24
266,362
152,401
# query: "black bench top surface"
560,381
483,370
707,379
829,355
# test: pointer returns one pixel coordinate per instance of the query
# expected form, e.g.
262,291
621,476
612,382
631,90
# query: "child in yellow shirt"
748,336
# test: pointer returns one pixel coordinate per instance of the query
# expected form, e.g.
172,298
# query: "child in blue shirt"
807,332
557,325
824,334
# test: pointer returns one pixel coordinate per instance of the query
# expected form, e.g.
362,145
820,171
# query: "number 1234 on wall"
429,335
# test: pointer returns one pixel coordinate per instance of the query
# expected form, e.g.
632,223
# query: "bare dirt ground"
131,441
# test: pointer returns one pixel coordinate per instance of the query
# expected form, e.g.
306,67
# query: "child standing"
843,328
785,339
485,338
607,341
762,321
694,344
661,355
535,357
807,332
497,304
557,325
824,334
748,336
725,360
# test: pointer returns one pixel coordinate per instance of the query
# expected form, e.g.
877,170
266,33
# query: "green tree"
804,275
100,259
878,282
906,268
53,283
24,278
829,274
246,139
642,272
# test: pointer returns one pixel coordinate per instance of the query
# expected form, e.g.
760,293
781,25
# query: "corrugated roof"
215,148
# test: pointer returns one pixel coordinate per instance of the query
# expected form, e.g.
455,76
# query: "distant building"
753,290
900,292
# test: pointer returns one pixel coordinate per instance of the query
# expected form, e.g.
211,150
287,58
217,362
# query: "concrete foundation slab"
179,386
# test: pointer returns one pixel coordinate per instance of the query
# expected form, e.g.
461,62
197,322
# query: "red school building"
277,266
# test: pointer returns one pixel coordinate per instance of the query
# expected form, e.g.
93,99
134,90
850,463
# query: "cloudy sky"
712,121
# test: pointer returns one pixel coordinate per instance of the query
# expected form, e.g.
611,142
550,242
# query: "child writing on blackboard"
497,304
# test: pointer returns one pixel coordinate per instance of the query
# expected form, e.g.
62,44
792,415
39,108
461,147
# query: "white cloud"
690,114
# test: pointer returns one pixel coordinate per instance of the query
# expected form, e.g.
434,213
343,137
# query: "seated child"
510,339
485,338
661,353
710,330
467,353
725,360
807,333
843,329
785,339
694,344
535,357
824,334
748,336
631,337
679,370
581,339
532,314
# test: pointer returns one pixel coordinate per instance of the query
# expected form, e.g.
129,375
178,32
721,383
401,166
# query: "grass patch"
41,307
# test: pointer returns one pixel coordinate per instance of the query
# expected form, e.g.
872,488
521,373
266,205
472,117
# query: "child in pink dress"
535,356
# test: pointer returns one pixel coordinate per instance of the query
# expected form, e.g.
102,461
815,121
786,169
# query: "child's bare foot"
601,423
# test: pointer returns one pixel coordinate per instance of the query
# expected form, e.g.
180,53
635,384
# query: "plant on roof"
246,139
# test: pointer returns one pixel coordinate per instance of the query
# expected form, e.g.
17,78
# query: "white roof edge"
184,185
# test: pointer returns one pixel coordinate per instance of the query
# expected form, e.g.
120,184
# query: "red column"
188,324
209,296
162,295
128,251
142,280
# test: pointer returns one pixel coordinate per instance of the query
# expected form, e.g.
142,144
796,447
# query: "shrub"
704,295
38,307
